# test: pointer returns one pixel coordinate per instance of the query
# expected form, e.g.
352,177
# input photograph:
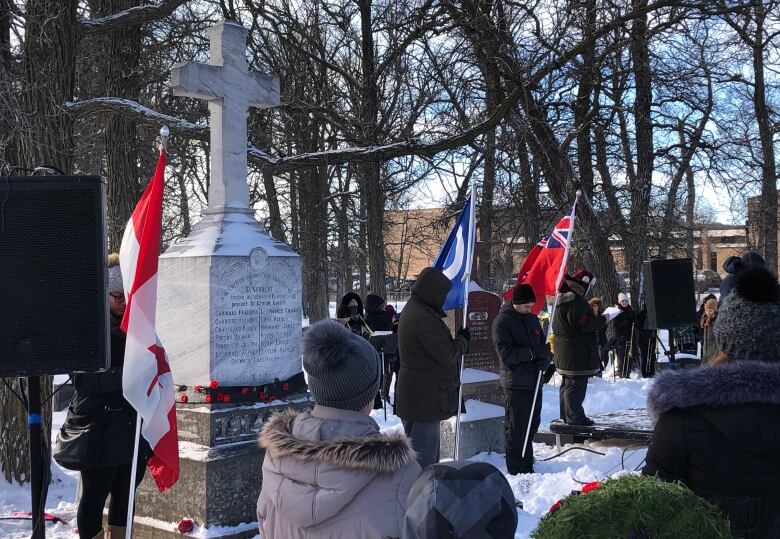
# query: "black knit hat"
343,368
523,293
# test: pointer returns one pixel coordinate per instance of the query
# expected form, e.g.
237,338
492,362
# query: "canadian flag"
147,382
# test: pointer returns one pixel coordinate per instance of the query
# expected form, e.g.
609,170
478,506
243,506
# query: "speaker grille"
52,276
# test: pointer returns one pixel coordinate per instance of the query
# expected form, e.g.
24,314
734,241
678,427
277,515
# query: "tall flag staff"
543,269
147,383
455,260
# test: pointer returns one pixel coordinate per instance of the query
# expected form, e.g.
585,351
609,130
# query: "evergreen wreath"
633,507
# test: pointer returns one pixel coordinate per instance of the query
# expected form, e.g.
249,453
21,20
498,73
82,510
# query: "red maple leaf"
162,365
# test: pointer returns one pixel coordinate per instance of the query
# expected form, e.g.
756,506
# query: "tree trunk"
583,106
276,225
636,248
49,62
122,80
767,227
373,189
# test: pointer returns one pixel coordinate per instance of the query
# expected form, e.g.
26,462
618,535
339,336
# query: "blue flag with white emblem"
456,255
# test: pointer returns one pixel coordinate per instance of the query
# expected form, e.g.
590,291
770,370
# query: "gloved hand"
465,333
541,363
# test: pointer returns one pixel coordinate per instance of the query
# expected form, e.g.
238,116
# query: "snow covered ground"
553,479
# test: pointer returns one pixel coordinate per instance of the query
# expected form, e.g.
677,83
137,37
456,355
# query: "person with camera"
429,375
523,353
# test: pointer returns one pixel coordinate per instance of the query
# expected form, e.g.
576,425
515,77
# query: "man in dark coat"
99,406
718,427
429,375
576,346
733,266
523,354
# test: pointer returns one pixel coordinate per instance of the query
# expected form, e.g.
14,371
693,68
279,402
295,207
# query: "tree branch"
278,165
129,17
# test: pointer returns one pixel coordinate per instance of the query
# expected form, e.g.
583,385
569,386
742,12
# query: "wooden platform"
633,424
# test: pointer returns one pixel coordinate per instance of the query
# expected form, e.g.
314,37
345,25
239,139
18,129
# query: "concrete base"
220,477
477,436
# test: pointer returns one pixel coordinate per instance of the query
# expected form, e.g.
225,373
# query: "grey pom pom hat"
342,368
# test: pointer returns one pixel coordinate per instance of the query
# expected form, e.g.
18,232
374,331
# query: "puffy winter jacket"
519,340
718,432
330,474
576,327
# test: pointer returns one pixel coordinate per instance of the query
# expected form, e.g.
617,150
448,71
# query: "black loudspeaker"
669,293
53,300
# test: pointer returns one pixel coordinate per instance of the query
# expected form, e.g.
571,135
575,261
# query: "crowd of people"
717,429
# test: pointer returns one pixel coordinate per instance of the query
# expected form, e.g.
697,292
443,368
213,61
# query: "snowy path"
538,491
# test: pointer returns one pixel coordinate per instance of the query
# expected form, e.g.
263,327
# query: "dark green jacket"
575,328
428,379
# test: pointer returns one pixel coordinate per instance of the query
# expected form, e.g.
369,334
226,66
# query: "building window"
714,261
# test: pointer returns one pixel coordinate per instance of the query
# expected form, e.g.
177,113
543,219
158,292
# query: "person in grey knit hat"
343,368
718,426
332,460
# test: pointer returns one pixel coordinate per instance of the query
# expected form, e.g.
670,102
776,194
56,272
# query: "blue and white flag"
456,256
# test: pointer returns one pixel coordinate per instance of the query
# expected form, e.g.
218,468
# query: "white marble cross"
230,89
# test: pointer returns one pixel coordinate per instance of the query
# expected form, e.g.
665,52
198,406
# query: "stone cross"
230,89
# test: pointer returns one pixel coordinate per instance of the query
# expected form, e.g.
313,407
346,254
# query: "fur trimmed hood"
726,384
331,473
369,453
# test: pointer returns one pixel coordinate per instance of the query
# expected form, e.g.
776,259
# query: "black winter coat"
622,324
519,340
377,318
718,432
98,401
575,328
428,378
355,320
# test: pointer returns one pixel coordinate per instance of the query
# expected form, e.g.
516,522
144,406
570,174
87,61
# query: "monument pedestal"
220,476
482,426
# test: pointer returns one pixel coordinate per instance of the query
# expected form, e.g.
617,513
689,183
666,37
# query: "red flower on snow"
186,525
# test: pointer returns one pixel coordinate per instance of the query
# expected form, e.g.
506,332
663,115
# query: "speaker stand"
34,425
672,349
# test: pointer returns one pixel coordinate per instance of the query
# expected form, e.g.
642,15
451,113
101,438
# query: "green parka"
575,327
428,379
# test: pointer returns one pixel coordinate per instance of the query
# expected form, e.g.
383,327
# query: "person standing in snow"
329,473
601,337
717,428
522,350
99,406
709,347
576,349
377,318
623,331
429,376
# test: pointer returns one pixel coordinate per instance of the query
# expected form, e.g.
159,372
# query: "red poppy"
262,395
244,390
591,486
226,398
555,506
184,398
186,525
213,384
208,398
198,387
286,386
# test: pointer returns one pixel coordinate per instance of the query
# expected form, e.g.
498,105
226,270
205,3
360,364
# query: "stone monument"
482,426
229,316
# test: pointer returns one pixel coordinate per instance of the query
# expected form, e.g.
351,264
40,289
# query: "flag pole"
133,475
562,269
164,134
466,282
